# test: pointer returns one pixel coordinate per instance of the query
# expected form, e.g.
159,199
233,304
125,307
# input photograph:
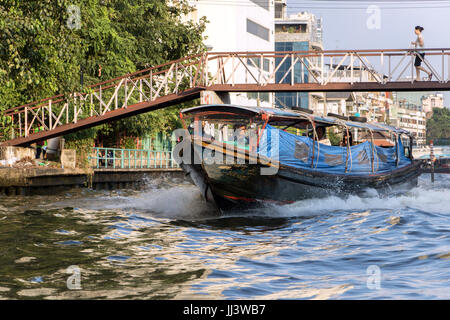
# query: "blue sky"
345,24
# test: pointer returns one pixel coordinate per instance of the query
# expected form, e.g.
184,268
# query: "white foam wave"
175,202
428,200
185,202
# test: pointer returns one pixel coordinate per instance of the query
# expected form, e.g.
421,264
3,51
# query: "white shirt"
418,40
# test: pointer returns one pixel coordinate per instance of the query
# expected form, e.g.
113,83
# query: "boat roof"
282,116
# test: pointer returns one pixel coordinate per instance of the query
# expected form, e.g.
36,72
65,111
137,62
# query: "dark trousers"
38,152
419,57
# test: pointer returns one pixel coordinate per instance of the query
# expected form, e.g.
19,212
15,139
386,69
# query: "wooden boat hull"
236,186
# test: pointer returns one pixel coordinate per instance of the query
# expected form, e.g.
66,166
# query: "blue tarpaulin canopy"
301,151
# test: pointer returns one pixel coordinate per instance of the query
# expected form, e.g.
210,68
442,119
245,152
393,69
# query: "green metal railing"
113,158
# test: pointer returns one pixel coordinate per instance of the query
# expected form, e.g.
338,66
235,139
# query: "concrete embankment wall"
10,155
30,181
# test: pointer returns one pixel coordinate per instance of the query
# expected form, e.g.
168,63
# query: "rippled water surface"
164,242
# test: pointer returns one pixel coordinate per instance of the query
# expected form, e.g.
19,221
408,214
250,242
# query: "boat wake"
184,201
177,202
428,200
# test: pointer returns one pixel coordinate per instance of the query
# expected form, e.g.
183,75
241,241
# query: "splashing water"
166,242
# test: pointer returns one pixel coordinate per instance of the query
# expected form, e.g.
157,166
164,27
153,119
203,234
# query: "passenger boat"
242,157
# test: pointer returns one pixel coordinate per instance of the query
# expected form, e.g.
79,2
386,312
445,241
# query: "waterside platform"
32,181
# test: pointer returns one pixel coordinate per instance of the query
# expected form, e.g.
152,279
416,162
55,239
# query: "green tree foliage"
41,55
38,54
438,127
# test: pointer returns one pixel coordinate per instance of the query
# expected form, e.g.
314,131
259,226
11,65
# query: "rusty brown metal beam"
333,87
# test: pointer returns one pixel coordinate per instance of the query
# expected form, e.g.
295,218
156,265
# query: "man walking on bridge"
420,55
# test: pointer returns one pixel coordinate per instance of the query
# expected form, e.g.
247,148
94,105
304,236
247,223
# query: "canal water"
164,242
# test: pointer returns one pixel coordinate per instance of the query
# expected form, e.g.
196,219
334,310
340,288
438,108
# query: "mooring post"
432,160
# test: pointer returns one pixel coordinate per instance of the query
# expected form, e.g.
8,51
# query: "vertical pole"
92,104
121,160
26,121
151,85
205,68
261,68
12,126
351,68
372,151
322,66
389,62
448,66
50,114
234,71
397,154
432,159
75,113
176,78
246,71
100,103
20,125
292,69
43,116
303,70
97,157
126,93
360,71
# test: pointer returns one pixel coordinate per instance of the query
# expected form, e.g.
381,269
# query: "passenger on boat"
347,139
322,136
241,135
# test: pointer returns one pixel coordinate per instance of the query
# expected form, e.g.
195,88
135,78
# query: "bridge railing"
325,67
121,92
226,71
114,158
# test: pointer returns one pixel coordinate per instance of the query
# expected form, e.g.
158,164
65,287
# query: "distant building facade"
407,113
432,101
298,32
245,25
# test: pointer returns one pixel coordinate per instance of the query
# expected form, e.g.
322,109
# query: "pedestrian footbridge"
223,72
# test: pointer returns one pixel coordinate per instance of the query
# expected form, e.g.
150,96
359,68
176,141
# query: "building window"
278,11
262,96
262,3
257,62
291,28
257,30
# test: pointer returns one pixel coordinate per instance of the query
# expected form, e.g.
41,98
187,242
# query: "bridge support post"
212,97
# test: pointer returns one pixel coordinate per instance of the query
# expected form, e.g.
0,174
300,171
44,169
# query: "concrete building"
334,102
374,106
411,111
432,101
298,32
408,114
244,25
